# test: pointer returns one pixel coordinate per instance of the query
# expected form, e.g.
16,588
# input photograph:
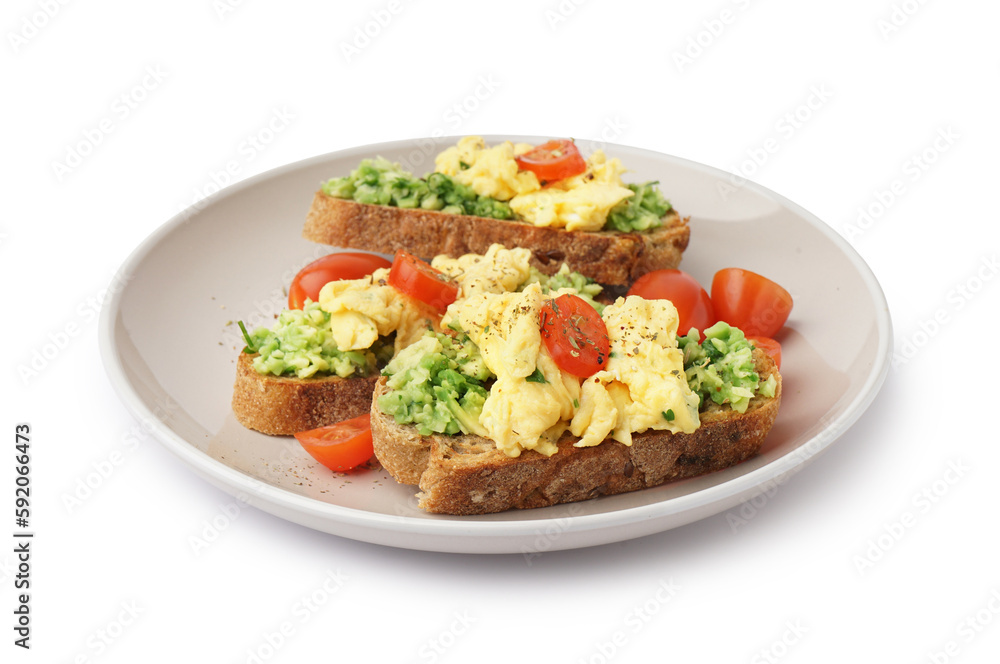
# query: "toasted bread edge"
279,405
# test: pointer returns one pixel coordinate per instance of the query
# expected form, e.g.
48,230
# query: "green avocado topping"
437,385
300,344
586,288
721,368
642,212
382,182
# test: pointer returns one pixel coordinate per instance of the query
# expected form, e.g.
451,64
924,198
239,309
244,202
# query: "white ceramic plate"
169,343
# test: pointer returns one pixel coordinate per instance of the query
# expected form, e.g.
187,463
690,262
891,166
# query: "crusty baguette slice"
468,475
611,258
282,406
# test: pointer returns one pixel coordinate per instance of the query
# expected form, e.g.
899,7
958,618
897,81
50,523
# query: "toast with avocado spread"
318,365
422,415
608,257
589,218
291,377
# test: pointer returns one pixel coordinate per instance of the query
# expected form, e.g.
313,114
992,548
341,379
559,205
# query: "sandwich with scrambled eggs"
547,198
528,399
318,364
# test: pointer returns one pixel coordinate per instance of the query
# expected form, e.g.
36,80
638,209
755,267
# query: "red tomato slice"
340,446
753,303
554,160
694,306
575,335
311,279
769,346
417,279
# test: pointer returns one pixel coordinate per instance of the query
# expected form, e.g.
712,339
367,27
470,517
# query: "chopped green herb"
576,403
536,377
251,346
669,415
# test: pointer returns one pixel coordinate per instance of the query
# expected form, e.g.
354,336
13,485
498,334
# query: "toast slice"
282,406
608,257
466,474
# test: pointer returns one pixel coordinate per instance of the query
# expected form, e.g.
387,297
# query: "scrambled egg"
497,271
519,414
489,171
643,385
361,310
581,202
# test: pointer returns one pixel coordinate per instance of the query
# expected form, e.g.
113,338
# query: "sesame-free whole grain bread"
281,406
466,474
608,257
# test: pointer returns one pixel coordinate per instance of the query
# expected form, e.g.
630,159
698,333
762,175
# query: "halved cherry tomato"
769,346
553,160
340,446
753,303
694,306
575,335
311,279
418,279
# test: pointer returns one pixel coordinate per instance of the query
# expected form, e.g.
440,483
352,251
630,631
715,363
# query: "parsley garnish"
536,377
669,415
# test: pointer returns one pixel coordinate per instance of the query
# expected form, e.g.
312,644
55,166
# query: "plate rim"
447,526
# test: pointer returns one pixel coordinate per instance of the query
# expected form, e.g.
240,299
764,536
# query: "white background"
829,569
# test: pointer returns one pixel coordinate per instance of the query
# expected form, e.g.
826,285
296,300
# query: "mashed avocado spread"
382,182
642,212
586,288
721,368
301,344
440,383
437,385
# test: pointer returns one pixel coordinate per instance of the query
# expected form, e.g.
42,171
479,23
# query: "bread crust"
608,257
281,406
468,475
